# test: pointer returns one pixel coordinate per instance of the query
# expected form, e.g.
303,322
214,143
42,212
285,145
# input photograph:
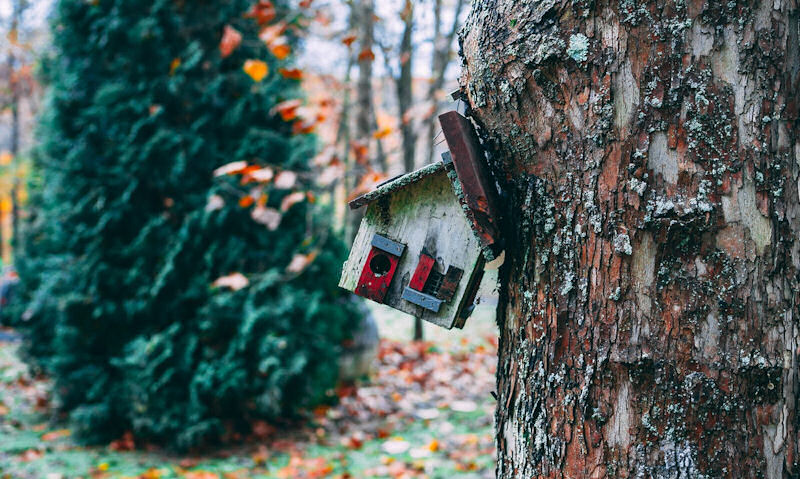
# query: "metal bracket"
385,244
421,299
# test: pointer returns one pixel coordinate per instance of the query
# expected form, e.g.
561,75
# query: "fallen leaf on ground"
151,473
31,455
125,443
395,446
463,406
201,475
53,435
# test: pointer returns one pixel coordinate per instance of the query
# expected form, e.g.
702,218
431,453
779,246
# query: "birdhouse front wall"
427,218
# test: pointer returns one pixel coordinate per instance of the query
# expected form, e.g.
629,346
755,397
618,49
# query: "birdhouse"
425,236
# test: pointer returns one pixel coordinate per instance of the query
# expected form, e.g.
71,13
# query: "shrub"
122,248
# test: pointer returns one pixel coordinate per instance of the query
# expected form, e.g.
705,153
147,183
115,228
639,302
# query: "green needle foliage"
121,249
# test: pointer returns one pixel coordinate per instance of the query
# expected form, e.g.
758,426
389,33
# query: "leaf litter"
426,412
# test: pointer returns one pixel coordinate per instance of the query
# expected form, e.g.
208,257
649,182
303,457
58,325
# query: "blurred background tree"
19,102
150,295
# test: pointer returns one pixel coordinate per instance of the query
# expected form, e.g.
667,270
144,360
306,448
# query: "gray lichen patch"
622,244
578,48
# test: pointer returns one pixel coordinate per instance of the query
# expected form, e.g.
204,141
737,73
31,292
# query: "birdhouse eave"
396,184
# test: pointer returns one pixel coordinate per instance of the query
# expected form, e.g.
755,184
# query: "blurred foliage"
122,247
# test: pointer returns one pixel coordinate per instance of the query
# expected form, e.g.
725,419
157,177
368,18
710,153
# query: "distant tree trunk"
405,100
440,60
365,116
405,97
16,131
650,155
363,20
343,133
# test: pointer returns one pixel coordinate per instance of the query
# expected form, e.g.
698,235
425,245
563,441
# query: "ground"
426,412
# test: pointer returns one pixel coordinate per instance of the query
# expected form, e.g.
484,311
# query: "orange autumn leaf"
151,473
303,127
366,184
53,435
306,3
354,442
300,262
173,65
263,12
125,443
6,158
269,217
272,33
287,109
285,180
231,39
366,55
233,281
382,133
349,39
280,48
231,168
256,69
201,475
246,201
31,455
291,200
291,74
262,175
361,152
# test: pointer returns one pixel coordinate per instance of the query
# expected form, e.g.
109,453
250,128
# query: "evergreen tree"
122,250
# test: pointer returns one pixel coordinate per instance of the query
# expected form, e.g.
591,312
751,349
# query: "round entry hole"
380,265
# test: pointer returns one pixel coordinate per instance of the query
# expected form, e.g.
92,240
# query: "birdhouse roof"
396,184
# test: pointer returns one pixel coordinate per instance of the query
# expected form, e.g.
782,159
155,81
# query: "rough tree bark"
649,154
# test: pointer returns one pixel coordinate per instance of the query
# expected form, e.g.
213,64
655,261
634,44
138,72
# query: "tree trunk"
363,20
14,85
440,59
405,85
405,100
649,154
